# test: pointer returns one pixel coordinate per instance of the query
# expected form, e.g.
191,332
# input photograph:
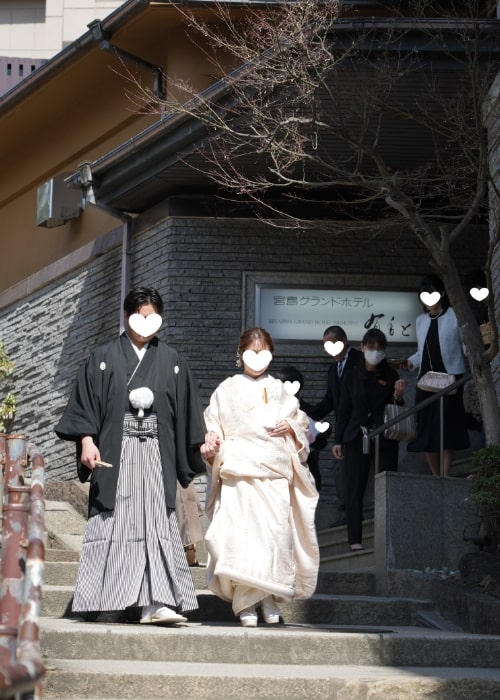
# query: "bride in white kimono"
261,542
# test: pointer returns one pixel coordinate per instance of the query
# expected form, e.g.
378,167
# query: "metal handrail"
22,567
438,396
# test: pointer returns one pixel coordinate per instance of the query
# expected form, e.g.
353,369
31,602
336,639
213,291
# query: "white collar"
140,352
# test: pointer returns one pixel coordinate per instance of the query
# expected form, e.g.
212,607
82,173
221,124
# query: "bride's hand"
281,429
210,447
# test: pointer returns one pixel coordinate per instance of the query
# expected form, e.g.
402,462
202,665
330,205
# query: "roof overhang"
167,159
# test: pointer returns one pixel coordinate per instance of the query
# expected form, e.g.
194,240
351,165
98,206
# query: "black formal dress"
455,435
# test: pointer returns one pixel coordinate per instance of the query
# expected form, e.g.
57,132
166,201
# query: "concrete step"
320,609
60,573
61,540
340,549
56,600
326,609
335,555
347,582
338,535
362,560
313,645
63,573
61,554
345,561
168,680
65,526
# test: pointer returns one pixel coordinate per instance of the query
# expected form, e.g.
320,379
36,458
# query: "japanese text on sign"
303,314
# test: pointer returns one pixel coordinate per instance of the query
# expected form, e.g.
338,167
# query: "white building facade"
39,29
31,31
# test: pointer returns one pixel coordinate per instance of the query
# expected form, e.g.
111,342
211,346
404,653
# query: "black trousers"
357,471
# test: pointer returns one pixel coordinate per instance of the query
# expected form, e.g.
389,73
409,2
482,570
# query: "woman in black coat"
366,390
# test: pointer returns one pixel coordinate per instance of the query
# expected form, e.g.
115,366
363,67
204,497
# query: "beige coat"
262,501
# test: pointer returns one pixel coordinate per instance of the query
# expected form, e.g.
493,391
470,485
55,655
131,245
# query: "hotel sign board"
292,314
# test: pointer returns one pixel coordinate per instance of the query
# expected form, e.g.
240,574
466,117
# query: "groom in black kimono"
118,568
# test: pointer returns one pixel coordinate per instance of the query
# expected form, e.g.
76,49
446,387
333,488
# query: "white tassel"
141,398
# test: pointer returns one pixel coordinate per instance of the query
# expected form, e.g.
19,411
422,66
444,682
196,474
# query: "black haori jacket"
97,407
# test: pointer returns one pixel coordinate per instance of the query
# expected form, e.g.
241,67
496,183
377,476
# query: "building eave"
146,167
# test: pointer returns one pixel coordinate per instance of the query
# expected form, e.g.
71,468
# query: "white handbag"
436,381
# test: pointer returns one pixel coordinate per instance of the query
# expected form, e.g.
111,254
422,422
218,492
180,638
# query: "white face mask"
374,357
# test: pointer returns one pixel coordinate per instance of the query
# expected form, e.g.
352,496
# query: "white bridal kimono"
262,538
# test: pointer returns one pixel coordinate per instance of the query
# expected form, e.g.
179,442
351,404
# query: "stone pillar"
420,522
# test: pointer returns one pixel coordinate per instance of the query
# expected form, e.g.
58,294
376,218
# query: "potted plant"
486,493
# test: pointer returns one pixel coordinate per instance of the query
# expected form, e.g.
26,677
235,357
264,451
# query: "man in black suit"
337,345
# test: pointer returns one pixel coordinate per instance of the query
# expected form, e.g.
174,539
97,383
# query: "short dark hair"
375,335
290,374
336,331
140,296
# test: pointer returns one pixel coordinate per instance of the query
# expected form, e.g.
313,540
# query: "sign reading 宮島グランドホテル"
303,314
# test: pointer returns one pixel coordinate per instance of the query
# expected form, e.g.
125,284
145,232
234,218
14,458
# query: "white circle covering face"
334,349
479,293
430,298
145,325
257,361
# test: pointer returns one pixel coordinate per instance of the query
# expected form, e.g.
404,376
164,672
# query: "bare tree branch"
378,119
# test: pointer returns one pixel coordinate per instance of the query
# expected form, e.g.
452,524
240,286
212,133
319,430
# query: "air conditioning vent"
56,203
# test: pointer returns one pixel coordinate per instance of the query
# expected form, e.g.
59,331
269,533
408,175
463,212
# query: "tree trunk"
480,366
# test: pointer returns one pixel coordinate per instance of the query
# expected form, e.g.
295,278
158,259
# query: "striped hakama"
133,555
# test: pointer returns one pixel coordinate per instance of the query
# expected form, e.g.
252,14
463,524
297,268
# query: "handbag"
405,430
435,381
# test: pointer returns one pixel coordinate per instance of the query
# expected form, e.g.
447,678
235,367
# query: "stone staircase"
345,643
335,554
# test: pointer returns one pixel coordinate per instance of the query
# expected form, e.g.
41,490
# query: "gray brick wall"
197,265
47,336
